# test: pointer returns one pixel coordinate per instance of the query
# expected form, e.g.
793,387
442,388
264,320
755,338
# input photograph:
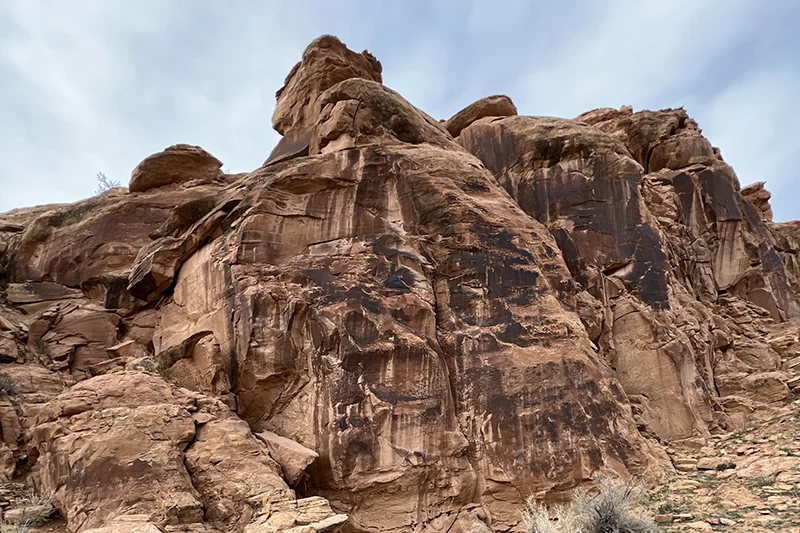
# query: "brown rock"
135,435
758,196
610,245
656,139
357,112
229,467
292,456
491,106
764,386
326,62
157,263
29,513
279,337
126,349
308,515
95,238
177,164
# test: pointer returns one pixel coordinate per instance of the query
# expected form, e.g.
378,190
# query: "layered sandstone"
385,328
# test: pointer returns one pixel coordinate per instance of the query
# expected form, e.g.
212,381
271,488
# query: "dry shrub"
611,510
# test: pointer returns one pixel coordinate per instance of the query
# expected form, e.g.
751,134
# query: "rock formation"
395,324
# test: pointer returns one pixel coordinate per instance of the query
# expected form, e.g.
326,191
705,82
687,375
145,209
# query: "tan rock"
699,526
125,349
711,463
292,456
326,62
29,513
8,464
228,467
491,106
130,432
177,164
757,195
134,524
308,515
382,116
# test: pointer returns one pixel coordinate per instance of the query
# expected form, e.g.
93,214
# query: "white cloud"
98,85
753,122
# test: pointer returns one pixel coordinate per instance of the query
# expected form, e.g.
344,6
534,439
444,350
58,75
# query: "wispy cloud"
97,85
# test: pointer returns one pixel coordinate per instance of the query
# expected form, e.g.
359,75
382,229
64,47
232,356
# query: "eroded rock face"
757,195
326,62
387,305
95,240
162,455
651,223
412,331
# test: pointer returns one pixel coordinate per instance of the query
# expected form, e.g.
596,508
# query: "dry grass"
15,528
609,511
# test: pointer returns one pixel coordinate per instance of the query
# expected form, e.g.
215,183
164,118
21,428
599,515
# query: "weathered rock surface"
491,106
414,332
292,456
166,454
650,222
177,164
757,195
326,62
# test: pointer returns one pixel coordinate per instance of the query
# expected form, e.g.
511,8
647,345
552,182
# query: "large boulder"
491,106
180,163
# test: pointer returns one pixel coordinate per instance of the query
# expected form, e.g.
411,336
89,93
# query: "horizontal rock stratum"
396,324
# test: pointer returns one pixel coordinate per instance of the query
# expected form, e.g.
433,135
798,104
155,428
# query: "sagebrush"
7,385
105,184
611,510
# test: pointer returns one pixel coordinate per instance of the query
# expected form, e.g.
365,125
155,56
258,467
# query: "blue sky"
97,85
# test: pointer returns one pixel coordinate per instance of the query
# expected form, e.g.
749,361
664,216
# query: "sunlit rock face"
395,324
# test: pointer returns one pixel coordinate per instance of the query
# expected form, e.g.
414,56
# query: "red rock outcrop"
386,328
177,164
491,106
757,195
651,223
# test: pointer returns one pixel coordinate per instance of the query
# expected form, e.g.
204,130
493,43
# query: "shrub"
725,466
104,184
15,528
609,511
42,347
758,482
7,385
31,511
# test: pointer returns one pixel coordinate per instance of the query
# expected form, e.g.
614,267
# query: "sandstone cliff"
395,324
